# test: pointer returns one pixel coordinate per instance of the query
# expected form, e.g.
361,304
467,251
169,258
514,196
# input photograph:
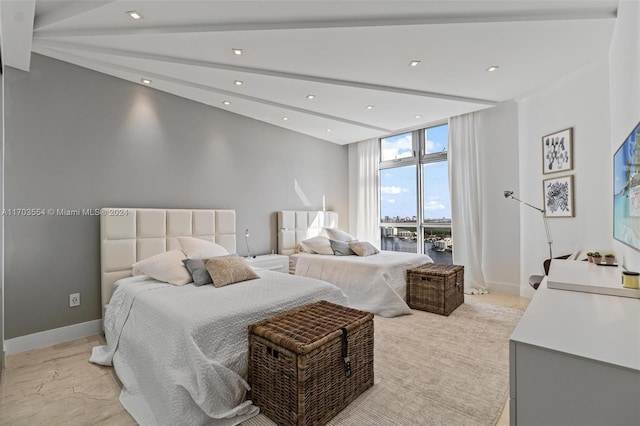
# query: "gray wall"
80,139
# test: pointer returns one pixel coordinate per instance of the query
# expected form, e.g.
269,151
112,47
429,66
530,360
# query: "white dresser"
575,360
273,262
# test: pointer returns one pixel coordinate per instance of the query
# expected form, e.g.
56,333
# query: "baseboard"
52,337
504,288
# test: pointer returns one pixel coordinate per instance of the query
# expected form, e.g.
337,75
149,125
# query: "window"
415,207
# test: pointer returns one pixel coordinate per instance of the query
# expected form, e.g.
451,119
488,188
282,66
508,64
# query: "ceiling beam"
260,71
471,18
16,21
68,11
100,66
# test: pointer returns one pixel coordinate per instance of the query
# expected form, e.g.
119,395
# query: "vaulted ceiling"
353,56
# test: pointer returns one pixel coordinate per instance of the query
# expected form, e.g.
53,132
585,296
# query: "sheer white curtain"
466,199
364,158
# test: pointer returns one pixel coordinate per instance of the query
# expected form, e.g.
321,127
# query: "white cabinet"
273,262
575,360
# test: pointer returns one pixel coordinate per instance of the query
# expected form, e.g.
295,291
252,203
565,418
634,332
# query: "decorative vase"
610,260
597,260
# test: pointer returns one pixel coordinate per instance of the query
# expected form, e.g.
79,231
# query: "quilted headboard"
128,235
296,226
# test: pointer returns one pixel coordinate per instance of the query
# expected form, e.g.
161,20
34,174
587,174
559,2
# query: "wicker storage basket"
296,368
435,287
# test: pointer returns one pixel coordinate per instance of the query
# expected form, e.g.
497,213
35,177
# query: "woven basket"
435,287
296,369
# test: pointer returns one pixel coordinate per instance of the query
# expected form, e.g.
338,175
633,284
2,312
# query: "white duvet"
181,352
375,284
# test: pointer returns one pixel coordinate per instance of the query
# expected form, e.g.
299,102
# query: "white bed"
181,351
374,283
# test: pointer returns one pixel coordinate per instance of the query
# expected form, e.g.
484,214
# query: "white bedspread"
181,352
374,284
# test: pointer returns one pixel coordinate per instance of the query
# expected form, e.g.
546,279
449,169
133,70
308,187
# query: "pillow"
338,235
195,248
198,271
166,267
318,245
229,270
363,248
341,248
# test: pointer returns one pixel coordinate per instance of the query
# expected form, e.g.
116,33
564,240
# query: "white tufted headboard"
300,225
129,235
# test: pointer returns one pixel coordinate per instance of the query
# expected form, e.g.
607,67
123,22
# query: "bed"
181,351
374,283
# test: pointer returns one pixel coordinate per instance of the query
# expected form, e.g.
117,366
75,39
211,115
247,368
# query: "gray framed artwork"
557,151
558,197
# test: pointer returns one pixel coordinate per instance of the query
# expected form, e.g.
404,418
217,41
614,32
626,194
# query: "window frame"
419,157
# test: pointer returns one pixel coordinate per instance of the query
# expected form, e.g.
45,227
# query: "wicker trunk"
436,288
297,371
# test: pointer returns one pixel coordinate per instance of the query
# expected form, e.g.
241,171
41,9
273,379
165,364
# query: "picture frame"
557,151
626,191
558,196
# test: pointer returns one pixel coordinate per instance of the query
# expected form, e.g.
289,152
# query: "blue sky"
398,185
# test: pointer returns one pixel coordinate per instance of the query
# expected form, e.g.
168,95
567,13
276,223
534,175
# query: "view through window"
414,172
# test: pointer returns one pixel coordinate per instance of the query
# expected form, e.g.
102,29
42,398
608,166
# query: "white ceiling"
349,54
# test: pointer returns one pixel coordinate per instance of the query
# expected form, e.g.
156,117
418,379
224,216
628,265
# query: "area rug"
435,370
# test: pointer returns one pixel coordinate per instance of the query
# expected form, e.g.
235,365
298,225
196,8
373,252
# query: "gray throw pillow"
198,270
341,248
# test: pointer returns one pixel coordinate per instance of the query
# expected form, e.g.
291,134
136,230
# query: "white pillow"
318,245
195,248
336,234
166,267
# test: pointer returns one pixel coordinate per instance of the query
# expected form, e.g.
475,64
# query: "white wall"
498,136
581,101
624,75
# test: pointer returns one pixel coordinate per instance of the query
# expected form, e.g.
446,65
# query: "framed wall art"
558,197
626,191
557,151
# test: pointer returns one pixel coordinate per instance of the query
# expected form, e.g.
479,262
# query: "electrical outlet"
74,300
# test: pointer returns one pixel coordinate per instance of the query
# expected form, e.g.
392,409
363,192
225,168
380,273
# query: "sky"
398,185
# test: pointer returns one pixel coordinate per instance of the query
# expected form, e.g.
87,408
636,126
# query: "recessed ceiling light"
492,68
238,82
226,102
369,107
135,15
146,81
285,118
414,63
311,96
328,130
418,116
237,51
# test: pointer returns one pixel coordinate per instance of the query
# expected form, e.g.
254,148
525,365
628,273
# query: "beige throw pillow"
229,270
363,248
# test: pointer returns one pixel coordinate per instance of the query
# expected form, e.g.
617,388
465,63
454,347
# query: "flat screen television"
626,191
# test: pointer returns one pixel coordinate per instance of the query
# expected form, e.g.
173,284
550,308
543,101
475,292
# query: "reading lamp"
246,240
509,194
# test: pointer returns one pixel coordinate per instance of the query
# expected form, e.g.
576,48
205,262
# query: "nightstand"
272,262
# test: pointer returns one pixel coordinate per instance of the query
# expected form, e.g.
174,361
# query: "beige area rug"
435,370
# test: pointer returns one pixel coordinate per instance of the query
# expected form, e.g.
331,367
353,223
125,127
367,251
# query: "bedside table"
272,262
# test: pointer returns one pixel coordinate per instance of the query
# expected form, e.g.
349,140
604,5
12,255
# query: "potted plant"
610,258
590,256
597,258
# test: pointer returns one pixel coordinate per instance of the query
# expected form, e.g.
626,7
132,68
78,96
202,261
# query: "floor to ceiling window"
415,208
